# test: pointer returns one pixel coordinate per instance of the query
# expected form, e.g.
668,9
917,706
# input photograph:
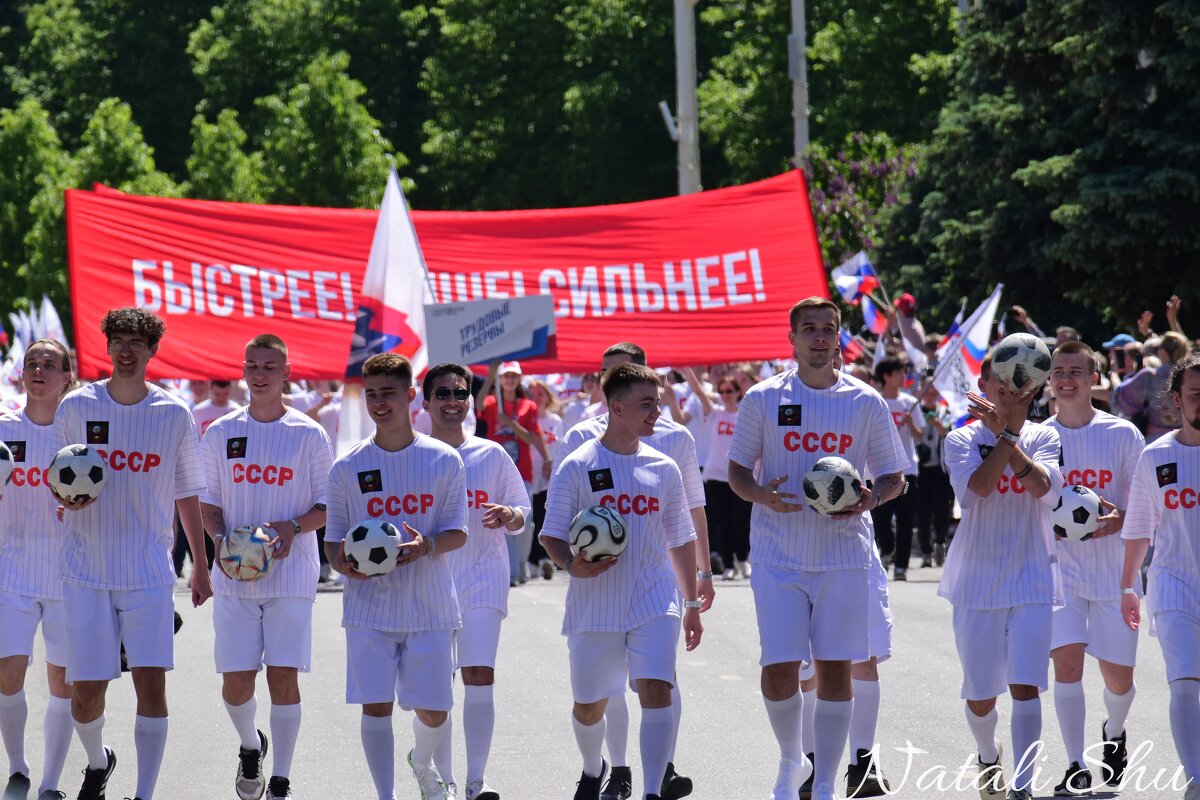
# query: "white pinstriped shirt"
124,539
424,485
30,533
259,472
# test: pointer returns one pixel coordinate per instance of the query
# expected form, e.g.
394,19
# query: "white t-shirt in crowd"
206,413
904,407
30,533
480,567
646,490
1164,506
790,426
259,472
1103,456
721,425
552,430
424,485
574,411
152,453
1003,554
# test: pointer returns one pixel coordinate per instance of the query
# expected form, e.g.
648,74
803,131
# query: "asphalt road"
726,744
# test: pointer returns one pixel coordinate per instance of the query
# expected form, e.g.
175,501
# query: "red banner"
694,279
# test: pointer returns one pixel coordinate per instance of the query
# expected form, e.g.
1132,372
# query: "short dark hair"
887,366
390,364
623,377
1189,363
635,353
271,341
221,384
133,322
1074,347
812,302
449,368
1066,330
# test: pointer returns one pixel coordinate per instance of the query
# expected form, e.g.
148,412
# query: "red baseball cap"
906,303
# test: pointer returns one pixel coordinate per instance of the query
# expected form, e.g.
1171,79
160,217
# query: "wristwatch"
693,604
296,524
1009,436
1129,590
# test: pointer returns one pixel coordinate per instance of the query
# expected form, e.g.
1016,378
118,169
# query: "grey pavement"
725,744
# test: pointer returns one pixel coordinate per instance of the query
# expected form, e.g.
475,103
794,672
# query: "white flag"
960,358
52,327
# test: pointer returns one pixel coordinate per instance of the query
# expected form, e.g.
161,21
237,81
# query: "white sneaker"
745,565
990,780
429,781
1020,794
478,790
452,790
792,775
729,574
823,791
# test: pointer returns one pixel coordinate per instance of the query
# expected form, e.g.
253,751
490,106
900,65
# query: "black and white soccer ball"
1021,361
372,547
832,485
1077,515
77,473
246,554
6,466
601,531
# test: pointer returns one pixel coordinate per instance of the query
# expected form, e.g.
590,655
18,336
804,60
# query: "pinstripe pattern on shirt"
30,533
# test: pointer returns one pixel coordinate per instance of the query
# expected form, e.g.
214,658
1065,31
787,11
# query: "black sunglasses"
445,392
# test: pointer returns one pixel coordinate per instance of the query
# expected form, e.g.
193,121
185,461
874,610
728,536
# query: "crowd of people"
485,473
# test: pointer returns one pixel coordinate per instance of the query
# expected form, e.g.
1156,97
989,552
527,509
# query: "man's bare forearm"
887,487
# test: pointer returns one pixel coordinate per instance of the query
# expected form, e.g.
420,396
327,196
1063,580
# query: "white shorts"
879,617
275,631
19,618
1179,636
99,621
805,615
476,642
1000,647
599,658
1097,624
415,669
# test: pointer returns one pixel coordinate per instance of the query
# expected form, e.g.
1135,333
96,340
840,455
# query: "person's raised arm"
693,381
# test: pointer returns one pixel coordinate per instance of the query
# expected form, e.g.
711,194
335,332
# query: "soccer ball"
77,473
372,547
6,465
246,554
599,530
1077,515
832,485
1021,361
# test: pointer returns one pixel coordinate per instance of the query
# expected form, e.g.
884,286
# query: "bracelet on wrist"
693,604
703,576
430,545
567,566
1028,469
1129,590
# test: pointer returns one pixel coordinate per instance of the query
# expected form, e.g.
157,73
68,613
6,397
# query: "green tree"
219,167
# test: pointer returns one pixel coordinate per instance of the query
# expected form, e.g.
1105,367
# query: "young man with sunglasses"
497,506
118,579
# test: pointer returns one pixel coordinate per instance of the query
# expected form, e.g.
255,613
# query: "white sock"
285,730
984,730
14,712
676,716
479,721
590,739
786,717
379,746
807,736
443,755
1118,706
616,736
91,736
150,741
865,718
56,729
1026,728
832,722
1185,725
243,722
426,739
656,741
1070,706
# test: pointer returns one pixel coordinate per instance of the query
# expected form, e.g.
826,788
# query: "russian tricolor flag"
855,278
851,349
876,322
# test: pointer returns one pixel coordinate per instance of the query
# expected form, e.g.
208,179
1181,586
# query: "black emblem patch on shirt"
370,481
235,447
789,415
18,451
601,479
985,450
97,431
1167,474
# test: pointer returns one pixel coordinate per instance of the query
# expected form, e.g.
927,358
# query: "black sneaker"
249,783
588,787
939,554
806,787
619,786
52,794
863,778
926,561
674,785
900,574
1115,757
279,788
18,787
94,780
1076,782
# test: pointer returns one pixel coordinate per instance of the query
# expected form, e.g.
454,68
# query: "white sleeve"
452,516
1135,444
746,448
961,459
512,490
689,469
1047,451
189,469
677,522
211,456
885,452
918,415
1144,510
320,462
561,503
337,515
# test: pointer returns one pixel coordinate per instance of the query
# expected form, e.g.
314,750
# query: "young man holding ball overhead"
625,611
